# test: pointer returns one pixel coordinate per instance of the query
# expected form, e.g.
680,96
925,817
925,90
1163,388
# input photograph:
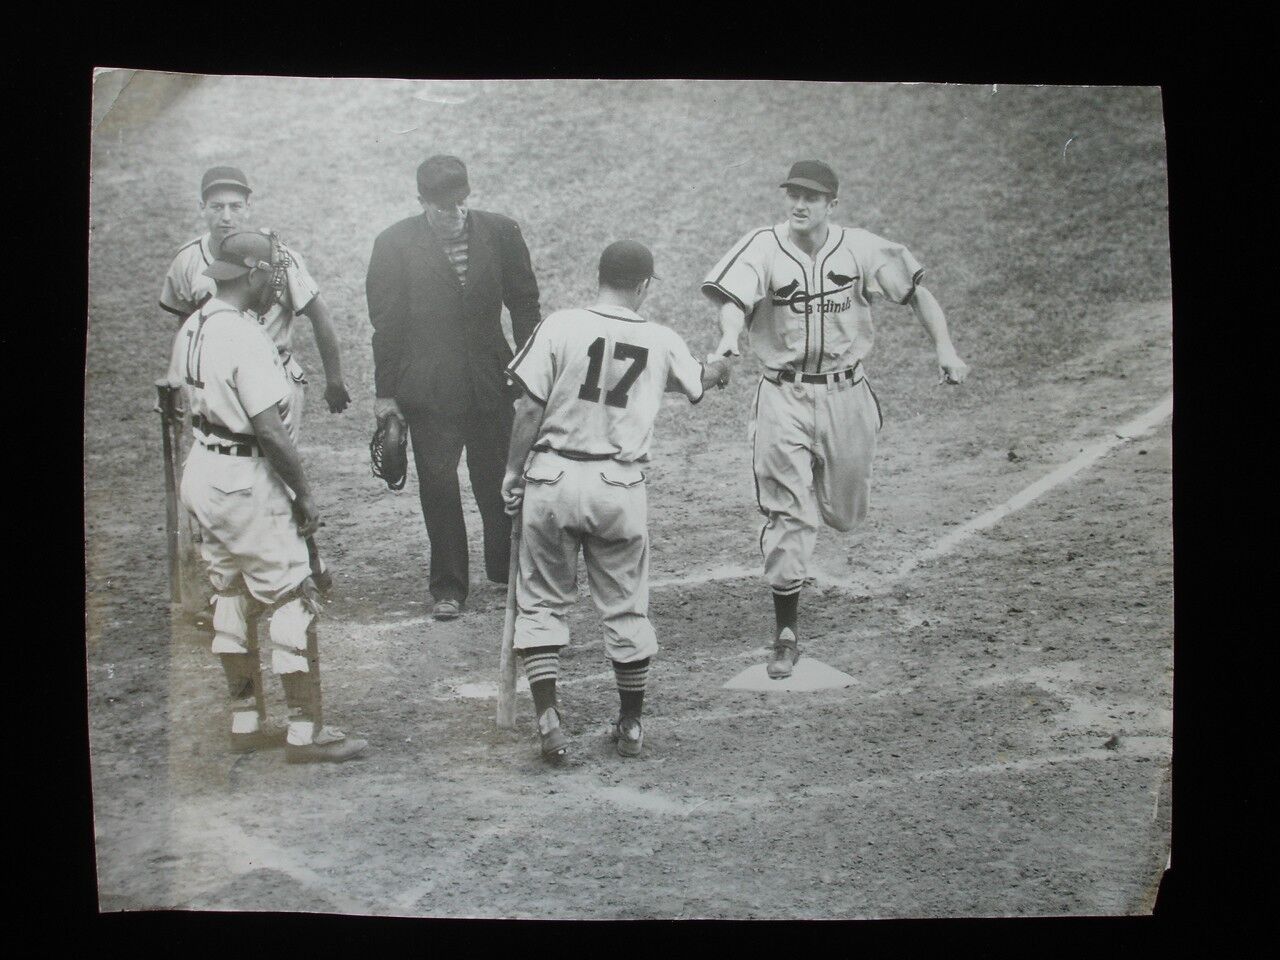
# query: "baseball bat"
165,407
507,659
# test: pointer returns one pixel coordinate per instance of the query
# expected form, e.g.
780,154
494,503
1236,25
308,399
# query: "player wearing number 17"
592,383
804,289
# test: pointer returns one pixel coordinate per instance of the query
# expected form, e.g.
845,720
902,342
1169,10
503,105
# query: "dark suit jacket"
437,346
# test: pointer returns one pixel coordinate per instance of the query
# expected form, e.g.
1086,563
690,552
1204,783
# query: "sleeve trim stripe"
915,282
702,372
712,285
738,253
515,377
169,309
515,361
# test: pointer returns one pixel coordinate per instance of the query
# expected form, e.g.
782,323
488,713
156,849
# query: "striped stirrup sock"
632,679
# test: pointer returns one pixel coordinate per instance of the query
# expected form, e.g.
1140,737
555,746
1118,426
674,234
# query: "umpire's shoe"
328,746
628,735
554,742
785,654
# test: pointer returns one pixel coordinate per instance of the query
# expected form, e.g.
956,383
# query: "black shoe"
446,609
628,735
786,651
554,742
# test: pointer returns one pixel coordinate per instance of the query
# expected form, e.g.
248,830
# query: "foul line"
1136,427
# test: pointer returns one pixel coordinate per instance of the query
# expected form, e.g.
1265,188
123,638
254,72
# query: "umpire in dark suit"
436,286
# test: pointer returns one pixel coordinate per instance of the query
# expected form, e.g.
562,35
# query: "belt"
572,454
235,449
207,426
790,376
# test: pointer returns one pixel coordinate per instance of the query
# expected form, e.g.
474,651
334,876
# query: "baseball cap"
625,262
238,254
442,174
812,175
224,177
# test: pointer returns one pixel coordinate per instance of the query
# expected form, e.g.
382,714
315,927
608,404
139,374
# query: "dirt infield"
1005,749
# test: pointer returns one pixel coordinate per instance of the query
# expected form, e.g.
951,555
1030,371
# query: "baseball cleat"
329,746
269,739
785,654
628,735
554,742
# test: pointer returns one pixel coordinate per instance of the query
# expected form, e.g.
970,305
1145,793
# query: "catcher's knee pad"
291,625
231,615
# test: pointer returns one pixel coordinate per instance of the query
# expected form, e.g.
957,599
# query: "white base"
807,674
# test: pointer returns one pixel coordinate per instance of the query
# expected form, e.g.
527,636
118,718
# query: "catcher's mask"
387,452
279,264
242,252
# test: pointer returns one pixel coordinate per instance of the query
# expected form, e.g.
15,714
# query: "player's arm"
335,390
524,431
928,311
284,459
732,322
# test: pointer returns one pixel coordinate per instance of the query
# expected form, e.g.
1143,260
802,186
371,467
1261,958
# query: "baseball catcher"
245,485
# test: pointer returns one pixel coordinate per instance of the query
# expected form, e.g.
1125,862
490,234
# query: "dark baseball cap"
442,174
238,254
224,177
812,175
625,263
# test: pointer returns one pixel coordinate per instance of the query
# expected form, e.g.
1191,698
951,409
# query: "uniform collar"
617,313
835,232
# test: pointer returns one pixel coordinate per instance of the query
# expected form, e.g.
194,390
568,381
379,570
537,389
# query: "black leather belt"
235,449
207,426
790,376
572,454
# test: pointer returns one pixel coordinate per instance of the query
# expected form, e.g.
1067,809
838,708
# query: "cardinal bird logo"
785,293
839,279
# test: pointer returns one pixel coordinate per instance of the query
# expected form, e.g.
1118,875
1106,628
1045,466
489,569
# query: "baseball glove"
387,452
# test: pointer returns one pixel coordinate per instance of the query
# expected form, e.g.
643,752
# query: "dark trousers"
438,443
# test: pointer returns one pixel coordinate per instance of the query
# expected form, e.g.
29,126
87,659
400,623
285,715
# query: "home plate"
807,674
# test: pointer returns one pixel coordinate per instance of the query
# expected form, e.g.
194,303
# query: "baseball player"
243,482
224,204
804,288
592,382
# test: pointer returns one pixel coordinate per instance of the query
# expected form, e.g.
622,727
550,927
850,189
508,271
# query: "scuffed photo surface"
1003,749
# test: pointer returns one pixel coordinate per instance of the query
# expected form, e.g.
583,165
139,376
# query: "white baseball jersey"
601,373
228,368
186,288
230,372
812,314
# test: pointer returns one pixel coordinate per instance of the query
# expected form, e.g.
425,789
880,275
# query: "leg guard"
295,656
235,641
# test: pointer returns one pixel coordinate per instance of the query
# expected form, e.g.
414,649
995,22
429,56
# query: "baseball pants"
812,446
600,507
246,524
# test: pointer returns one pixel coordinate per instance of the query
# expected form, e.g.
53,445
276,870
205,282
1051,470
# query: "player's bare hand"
512,493
307,516
336,396
717,371
951,369
385,407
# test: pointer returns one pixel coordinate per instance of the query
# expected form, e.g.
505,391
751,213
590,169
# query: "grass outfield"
1028,207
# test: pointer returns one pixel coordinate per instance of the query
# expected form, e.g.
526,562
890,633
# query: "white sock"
301,732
